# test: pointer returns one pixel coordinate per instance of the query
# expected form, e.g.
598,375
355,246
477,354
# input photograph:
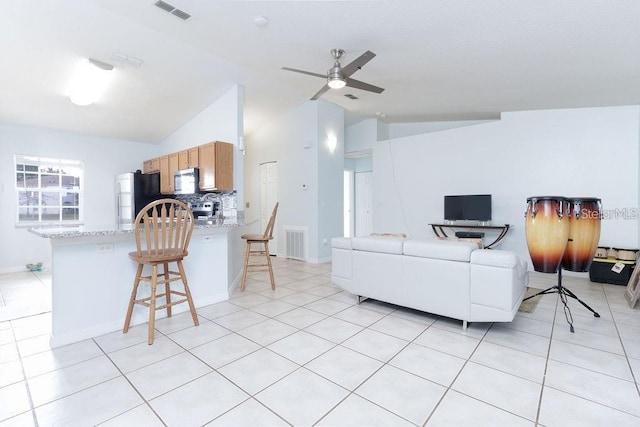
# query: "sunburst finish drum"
547,231
584,233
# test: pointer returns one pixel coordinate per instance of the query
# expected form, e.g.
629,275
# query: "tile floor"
307,354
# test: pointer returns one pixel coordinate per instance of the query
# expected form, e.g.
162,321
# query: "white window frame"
47,167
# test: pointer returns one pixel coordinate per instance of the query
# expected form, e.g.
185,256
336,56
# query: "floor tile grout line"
26,383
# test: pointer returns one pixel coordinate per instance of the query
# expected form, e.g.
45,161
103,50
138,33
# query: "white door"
364,202
348,203
268,199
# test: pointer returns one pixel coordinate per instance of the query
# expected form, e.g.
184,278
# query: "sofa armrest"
495,258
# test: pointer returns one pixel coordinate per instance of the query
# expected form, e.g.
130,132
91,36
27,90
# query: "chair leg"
266,251
188,292
246,266
152,303
167,288
132,300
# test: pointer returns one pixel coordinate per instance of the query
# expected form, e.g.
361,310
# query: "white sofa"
450,278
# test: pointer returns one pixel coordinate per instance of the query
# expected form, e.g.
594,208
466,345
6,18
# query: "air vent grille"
351,96
178,13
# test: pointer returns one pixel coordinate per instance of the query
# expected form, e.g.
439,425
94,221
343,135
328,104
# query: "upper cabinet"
168,167
150,166
188,158
215,161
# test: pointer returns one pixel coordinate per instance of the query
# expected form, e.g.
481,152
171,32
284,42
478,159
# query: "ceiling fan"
339,76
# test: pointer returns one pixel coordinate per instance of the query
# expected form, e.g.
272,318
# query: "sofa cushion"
495,258
341,242
386,244
439,249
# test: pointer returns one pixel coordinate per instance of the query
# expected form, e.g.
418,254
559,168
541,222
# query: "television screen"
473,207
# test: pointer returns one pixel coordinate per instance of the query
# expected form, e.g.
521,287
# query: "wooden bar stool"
163,230
259,239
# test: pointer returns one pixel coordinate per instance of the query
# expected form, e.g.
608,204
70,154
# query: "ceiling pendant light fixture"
90,81
335,77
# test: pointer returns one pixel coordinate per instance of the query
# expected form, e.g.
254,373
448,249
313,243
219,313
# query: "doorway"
268,198
349,218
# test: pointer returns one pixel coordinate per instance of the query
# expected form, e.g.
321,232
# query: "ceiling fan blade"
364,86
324,76
321,92
357,63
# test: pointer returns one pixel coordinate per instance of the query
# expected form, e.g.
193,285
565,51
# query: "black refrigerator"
133,192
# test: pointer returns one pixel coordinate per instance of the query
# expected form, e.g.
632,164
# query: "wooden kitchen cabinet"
168,167
150,166
188,158
215,161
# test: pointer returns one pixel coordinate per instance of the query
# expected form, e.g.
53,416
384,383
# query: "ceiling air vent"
172,10
351,96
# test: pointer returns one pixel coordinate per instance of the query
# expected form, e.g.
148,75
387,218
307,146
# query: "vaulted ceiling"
437,59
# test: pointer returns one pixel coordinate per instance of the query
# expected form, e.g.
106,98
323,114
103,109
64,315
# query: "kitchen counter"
92,275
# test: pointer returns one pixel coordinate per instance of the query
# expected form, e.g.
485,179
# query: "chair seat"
255,237
168,256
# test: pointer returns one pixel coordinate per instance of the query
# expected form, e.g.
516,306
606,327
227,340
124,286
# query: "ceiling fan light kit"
339,76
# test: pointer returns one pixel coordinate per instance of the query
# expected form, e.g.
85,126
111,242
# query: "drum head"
583,199
539,198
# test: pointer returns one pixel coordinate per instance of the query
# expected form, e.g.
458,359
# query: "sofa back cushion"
380,244
439,249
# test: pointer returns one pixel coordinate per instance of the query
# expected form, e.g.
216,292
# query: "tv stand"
438,229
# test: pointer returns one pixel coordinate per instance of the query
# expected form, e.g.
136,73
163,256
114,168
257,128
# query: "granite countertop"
85,231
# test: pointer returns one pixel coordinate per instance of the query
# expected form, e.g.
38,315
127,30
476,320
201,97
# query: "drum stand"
564,293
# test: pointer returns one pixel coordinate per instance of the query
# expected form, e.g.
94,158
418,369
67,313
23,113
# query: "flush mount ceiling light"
90,81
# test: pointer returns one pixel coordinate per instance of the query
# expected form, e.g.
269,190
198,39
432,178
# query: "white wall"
574,152
297,142
330,178
103,158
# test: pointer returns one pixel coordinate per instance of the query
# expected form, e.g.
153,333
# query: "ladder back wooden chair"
163,230
262,251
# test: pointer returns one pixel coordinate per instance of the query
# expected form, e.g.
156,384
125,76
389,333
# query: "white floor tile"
456,409
357,412
429,364
610,343
117,340
360,316
140,355
301,347
300,317
313,395
518,340
406,395
344,367
267,332
592,359
327,306
448,342
250,300
300,298
273,308
514,362
177,322
140,416
559,409
60,357
613,392
14,400
498,388
248,413
206,398
9,352
398,327
224,350
160,377
71,379
334,330
240,319
91,406
218,310
258,370
375,344
198,335
10,372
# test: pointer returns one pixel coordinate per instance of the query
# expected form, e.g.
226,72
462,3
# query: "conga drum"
547,231
584,233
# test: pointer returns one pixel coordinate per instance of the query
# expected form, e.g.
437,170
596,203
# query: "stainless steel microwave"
186,181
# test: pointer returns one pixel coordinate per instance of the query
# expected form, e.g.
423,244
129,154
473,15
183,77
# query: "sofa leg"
464,326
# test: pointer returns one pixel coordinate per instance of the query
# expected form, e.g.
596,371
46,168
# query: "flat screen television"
471,207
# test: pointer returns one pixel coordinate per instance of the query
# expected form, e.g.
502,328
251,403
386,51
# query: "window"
48,190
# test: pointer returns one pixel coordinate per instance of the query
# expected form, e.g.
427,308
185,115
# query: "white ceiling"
438,60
